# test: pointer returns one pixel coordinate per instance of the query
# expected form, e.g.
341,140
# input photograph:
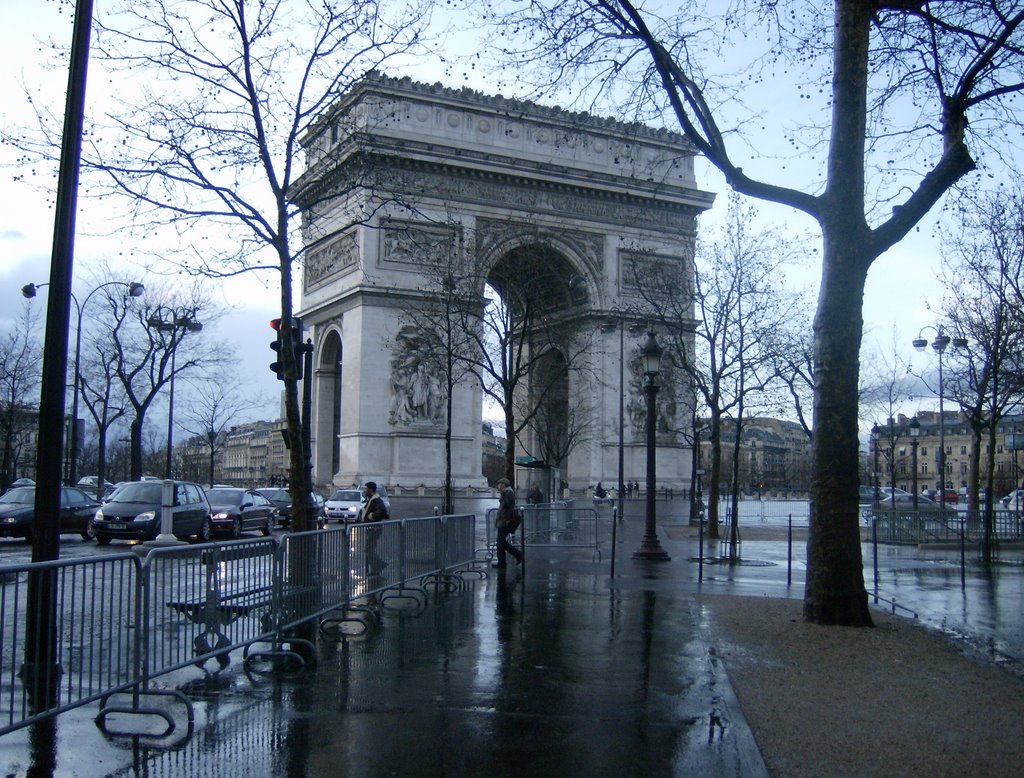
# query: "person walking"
506,523
374,511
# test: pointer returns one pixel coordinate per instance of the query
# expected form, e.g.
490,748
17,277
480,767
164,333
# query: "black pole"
170,415
307,446
622,394
789,553
650,547
41,670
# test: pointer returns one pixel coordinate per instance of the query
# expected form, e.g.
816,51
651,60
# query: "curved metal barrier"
122,621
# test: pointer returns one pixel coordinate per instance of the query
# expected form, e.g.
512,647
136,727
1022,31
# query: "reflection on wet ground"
554,670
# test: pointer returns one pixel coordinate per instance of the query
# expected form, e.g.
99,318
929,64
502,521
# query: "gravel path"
898,699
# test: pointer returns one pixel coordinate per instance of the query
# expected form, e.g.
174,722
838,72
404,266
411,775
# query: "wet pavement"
555,669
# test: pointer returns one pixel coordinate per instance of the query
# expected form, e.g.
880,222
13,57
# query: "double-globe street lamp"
939,345
650,547
135,289
185,324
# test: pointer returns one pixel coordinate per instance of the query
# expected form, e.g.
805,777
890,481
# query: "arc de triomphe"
401,173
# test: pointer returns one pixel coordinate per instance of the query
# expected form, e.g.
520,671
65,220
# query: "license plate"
116,525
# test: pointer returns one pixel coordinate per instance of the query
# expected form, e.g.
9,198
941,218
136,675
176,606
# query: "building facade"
893,452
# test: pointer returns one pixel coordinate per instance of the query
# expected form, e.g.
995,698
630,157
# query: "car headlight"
146,516
98,516
220,516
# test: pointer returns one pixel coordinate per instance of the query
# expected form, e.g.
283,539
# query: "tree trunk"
135,452
835,592
715,476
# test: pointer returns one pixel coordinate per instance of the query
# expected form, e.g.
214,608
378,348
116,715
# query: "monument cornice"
645,205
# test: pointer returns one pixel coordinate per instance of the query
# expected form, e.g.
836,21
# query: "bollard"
437,511
700,549
789,553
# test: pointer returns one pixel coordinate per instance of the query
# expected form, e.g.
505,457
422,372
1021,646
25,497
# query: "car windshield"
346,495
147,492
281,495
224,496
24,495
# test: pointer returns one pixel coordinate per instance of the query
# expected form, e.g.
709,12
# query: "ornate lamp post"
915,433
939,346
186,324
135,289
651,353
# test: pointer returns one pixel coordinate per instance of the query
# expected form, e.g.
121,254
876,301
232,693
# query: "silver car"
343,505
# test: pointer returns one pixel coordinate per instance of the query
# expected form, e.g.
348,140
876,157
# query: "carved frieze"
330,258
416,245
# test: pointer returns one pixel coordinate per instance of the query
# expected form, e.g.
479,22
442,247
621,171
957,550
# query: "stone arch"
505,187
329,402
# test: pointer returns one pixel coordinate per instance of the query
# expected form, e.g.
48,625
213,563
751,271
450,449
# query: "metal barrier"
122,621
556,525
909,527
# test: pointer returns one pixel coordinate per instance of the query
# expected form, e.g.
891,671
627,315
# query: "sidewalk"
560,669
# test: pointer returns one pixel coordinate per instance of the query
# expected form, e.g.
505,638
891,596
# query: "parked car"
18,507
902,500
235,511
344,505
282,500
22,482
866,495
133,512
90,481
1014,500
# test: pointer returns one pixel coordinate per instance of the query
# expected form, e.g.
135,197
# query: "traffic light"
277,366
287,338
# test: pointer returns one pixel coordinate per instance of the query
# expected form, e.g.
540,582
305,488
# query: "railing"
122,621
909,527
557,524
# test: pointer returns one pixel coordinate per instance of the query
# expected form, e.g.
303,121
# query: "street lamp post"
939,346
135,289
650,547
185,324
877,473
915,433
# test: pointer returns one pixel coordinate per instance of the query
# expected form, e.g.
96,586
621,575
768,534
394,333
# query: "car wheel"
266,528
103,540
205,531
89,533
236,528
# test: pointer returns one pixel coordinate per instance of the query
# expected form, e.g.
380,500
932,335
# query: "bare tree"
207,151
435,325
908,87
721,322
516,334
983,305
102,394
215,406
152,341
19,383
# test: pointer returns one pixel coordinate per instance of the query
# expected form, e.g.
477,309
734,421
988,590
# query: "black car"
133,512
18,507
240,510
282,500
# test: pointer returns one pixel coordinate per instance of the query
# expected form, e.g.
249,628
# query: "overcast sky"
900,288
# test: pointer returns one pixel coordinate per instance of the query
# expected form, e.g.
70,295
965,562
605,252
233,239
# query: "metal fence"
123,620
909,527
557,524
